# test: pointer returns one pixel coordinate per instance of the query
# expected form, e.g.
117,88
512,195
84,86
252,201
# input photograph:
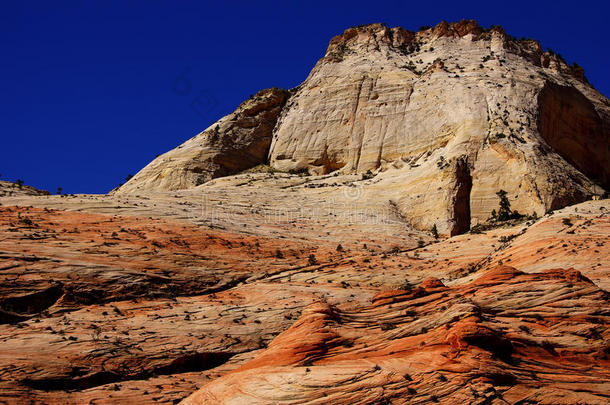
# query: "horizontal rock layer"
127,299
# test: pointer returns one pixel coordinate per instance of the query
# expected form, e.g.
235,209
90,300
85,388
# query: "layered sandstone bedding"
352,240
154,299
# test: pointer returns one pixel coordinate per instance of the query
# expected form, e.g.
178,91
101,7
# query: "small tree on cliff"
434,231
504,213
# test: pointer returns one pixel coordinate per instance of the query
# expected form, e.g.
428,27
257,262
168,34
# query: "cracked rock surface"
448,116
169,297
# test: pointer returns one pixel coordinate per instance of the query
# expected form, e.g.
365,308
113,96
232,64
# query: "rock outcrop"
489,341
267,287
424,111
413,105
236,142
8,189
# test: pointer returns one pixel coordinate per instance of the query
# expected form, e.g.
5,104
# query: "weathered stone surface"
415,104
507,337
236,142
8,189
449,115
270,287
149,298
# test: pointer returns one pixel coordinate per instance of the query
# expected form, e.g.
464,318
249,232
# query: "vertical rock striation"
424,111
410,105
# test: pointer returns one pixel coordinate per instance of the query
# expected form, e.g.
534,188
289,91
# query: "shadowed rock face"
572,127
461,205
236,142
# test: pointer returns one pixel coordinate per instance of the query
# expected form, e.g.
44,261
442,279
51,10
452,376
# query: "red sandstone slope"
274,286
131,309
508,337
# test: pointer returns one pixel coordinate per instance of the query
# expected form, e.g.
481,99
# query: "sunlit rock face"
432,108
445,118
208,280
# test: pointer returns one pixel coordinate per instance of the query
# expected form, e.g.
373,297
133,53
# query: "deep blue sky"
89,90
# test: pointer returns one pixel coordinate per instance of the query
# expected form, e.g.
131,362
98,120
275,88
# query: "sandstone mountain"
234,143
208,280
448,115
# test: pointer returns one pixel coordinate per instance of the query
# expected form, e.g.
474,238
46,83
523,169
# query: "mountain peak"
378,36
443,118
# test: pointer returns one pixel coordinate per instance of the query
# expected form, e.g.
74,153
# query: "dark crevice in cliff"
461,201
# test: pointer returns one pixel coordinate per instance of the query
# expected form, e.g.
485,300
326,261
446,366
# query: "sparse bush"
311,259
27,221
442,163
368,175
505,239
200,180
